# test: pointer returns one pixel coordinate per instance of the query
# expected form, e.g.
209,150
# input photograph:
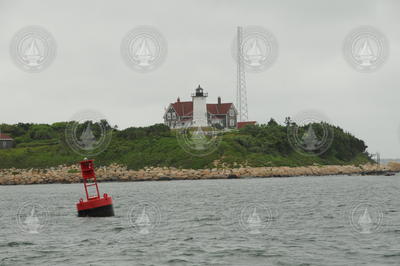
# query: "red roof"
186,108
5,137
242,124
218,109
183,108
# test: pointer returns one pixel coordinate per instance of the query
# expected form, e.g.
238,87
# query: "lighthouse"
199,99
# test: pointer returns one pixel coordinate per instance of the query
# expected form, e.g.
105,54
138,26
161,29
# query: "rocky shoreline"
71,174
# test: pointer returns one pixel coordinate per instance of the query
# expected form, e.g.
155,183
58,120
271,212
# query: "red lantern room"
94,206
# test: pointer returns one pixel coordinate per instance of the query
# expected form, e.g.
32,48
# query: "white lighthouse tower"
199,108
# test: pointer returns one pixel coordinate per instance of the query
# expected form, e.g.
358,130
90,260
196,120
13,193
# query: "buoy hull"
105,211
98,207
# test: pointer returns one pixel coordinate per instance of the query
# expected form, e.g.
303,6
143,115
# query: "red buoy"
94,206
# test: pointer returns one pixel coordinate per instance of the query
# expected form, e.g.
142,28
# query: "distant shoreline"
116,173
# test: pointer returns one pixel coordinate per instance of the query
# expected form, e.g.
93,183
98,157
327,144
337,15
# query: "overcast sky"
309,73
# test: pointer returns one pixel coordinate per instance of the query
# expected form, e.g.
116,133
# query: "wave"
17,244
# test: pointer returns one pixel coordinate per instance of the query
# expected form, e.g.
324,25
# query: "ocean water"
335,220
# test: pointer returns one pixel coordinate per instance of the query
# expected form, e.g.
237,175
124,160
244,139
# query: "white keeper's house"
200,113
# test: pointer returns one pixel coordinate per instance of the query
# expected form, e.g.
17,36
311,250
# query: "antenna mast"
241,94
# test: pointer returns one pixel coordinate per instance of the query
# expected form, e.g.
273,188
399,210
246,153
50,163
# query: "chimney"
178,100
219,100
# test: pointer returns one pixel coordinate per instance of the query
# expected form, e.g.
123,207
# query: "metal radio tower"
241,95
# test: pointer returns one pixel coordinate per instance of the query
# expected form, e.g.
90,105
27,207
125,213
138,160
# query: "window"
232,122
168,116
231,112
173,116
